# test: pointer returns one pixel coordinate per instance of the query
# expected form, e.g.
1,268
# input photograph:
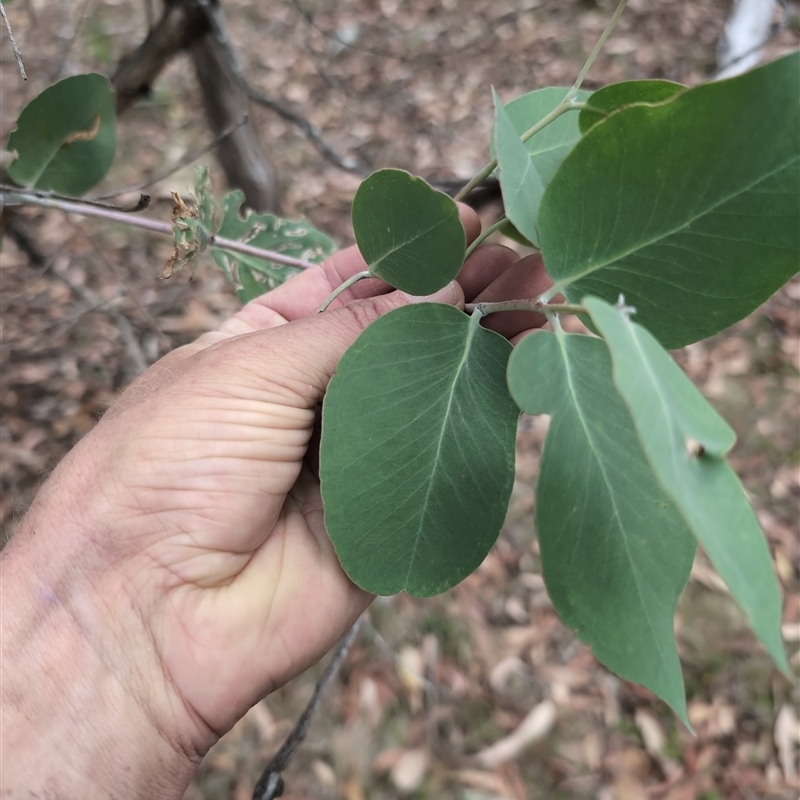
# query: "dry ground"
431,684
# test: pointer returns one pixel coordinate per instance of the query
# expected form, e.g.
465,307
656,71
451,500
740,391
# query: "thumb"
303,355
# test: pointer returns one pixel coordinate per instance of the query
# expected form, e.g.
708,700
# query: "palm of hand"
210,510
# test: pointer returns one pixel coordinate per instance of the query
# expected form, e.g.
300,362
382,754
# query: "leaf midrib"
573,393
376,266
474,324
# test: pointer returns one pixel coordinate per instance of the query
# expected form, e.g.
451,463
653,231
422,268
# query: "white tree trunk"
747,28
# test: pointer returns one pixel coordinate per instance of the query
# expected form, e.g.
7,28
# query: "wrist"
86,709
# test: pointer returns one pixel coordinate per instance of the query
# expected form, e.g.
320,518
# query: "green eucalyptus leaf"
520,181
417,454
615,552
611,98
685,441
252,275
409,234
689,208
552,144
66,136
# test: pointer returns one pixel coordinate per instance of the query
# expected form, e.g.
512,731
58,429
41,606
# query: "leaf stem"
596,51
342,287
152,225
484,235
523,305
567,104
564,106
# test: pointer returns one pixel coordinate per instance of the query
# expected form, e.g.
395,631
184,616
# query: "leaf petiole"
343,287
484,235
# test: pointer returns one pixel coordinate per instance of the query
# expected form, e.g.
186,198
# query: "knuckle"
362,313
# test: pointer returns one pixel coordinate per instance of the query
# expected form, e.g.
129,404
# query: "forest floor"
431,685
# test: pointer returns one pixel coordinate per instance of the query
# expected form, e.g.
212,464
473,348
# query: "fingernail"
448,294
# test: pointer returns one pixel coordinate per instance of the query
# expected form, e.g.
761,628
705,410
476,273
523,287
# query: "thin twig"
92,300
270,784
73,36
597,48
184,162
434,57
142,203
217,24
152,225
17,54
523,305
565,105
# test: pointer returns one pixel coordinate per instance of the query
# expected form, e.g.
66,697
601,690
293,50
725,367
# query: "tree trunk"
240,154
184,26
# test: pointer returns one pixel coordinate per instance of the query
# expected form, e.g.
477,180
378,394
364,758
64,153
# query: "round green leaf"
409,234
685,441
66,136
552,144
417,455
689,208
615,552
618,95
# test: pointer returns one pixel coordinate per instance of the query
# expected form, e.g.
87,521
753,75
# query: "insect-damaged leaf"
685,441
252,275
66,137
618,95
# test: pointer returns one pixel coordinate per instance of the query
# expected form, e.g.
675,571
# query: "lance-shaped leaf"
690,208
66,136
618,95
417,454
551,145
254,276
685,441
615,552
409,234
520,181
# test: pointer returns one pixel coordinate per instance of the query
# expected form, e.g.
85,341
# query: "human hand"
178,556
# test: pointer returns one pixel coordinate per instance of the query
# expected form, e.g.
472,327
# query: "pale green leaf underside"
690,208
671,417
66,136
520,181
254,276
409,234
417,454
615,552
551,145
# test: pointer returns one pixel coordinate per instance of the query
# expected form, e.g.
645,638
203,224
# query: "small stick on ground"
17,54
270,784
